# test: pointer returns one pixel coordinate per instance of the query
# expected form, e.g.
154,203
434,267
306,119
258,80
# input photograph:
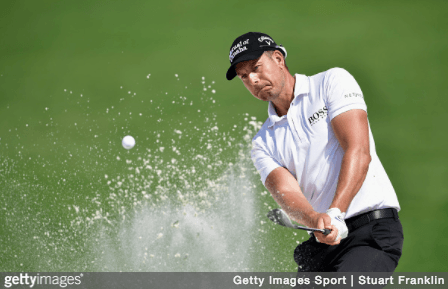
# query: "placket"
296,124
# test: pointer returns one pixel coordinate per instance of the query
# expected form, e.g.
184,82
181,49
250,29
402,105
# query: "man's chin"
264,97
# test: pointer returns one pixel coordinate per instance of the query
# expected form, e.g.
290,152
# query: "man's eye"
256,67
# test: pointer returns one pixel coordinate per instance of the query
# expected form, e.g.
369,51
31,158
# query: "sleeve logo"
353,94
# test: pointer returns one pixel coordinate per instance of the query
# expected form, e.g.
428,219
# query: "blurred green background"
76,76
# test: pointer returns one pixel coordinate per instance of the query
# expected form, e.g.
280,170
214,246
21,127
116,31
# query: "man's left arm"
352,131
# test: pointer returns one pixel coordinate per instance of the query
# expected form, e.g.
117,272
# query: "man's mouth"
264,88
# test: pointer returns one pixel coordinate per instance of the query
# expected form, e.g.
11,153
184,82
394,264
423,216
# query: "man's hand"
333,219
323,221
338,220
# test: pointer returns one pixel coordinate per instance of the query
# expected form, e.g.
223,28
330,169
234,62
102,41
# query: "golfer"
316,155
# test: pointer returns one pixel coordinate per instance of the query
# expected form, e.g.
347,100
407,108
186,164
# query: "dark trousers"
374,247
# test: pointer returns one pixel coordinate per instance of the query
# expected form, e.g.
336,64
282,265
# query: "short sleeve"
342,92
263,161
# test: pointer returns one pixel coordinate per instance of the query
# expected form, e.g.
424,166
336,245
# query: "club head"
279,217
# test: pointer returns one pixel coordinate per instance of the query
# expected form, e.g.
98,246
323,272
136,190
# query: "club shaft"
310,229
323,231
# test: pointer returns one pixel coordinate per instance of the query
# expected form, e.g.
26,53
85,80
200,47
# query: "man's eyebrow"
251,63
258,62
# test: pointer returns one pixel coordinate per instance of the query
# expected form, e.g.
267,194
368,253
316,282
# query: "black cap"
250,46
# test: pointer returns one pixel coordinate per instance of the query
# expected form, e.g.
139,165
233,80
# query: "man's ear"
278,58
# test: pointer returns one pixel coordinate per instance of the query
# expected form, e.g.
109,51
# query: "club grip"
326,231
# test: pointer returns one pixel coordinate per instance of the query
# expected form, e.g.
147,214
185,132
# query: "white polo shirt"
303,142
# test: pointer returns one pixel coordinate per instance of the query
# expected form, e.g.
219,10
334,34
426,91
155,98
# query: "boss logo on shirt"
318,115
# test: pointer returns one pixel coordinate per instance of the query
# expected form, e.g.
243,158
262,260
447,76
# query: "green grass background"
395,49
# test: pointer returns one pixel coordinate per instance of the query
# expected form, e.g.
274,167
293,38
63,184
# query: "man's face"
263,77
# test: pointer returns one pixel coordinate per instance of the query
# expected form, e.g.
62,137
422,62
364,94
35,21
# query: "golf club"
279,217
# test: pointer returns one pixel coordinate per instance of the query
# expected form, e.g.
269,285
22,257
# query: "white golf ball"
128,142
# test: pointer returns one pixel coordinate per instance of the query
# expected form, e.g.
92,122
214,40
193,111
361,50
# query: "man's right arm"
286,191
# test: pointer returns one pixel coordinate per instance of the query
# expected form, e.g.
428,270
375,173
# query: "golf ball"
128,142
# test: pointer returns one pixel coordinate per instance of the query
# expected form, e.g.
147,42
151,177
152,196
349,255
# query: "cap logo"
267,39
237,49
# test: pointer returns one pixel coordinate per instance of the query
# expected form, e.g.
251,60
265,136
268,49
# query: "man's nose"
253,78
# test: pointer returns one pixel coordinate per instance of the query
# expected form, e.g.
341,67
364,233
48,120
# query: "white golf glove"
337,220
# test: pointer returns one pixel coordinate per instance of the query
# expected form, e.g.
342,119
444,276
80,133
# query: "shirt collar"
301,87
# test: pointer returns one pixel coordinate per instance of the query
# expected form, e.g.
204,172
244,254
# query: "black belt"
355,222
